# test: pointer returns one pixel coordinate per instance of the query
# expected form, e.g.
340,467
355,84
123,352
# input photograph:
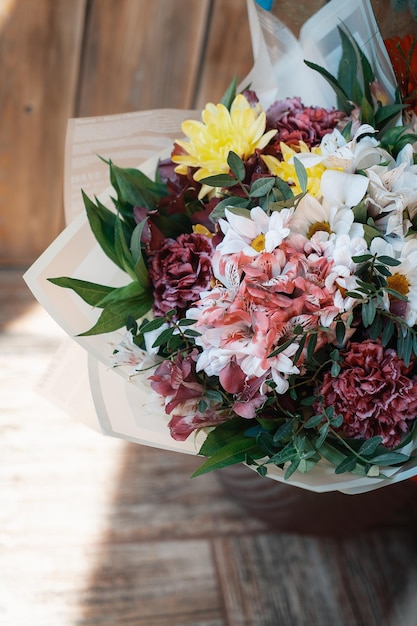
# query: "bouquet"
270,298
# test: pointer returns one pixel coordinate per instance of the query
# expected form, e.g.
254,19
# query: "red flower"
403,55
296,123
179,271
374,391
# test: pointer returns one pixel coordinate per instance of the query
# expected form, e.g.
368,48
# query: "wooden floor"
94,531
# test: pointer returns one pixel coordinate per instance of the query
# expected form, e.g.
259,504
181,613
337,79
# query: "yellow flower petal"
241,130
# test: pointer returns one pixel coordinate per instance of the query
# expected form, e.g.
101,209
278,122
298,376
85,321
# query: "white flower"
341,278
127,353
342,189
403,277
315,219
392,197
359,153
255,234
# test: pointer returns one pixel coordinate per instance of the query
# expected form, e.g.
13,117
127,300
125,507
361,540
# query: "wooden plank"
141,55
39,50
365,580
228,52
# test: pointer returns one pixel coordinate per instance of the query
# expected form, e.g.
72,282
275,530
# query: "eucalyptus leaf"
219,211
301,172
236,165
219,180
369,446
261,187
347,465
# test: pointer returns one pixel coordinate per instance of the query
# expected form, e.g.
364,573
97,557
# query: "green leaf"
388,260
92,293
314,421
301,172
385,114
102,223
387,333
369,446
127,292
337,421
324,431
261,187
165,336
153,325
114,315
283,431
230,94
390,458
343,100
348,64
234,452
136,241
219,180
283,191
367,112
360,213
347,465
293,466
236,165
340,332
122,250
362,258
136,188
219,211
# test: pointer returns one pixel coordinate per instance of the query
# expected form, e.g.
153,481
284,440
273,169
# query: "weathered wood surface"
60,60
141,55
98,532
40,46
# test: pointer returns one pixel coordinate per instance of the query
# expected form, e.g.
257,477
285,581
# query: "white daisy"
253,234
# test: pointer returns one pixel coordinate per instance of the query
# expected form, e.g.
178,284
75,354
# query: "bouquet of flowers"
270,298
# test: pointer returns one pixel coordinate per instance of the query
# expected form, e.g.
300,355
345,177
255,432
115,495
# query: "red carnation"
374,391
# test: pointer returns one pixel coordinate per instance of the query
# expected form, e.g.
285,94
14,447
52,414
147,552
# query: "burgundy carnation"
179,271
375,393
296,123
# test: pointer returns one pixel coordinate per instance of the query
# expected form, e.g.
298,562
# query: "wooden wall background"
70,58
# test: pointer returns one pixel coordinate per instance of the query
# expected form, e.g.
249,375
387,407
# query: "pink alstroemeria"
246,390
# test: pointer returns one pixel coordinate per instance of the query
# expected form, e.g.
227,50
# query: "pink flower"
182,425
179,271
176,381
246,390
374,391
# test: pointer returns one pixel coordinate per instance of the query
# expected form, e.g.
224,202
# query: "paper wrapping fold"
130,410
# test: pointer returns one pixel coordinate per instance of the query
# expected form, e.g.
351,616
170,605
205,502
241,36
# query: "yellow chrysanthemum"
241,130
286,169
